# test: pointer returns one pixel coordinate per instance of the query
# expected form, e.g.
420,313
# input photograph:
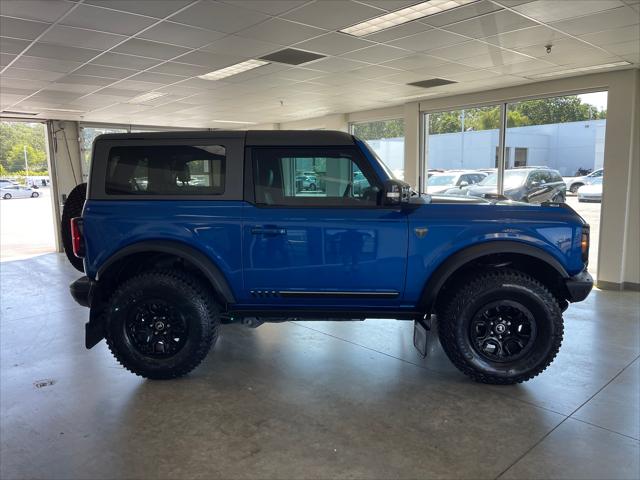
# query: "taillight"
76,237
584,244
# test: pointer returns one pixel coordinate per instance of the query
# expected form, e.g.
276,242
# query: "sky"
597,99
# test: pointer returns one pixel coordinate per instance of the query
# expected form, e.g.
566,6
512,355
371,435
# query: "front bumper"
83,291
579,286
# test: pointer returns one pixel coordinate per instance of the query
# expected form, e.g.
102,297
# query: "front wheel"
574,188
502,327
7,196
161,324
35,195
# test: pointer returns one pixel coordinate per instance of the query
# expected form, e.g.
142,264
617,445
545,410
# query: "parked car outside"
307,182
16,191
7,183
531,185
574,183
441,182
591,192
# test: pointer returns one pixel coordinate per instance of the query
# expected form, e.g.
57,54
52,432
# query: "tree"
381,129
14,136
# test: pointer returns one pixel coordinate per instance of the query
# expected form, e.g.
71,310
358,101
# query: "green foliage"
14,136
532,112
382,129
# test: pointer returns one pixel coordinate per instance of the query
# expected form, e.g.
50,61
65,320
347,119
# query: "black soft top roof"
251,137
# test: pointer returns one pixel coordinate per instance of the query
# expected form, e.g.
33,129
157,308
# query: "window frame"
357,157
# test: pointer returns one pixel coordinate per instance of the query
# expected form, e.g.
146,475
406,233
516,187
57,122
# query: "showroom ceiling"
140,62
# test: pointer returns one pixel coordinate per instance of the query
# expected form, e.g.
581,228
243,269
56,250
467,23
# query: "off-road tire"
72,208
491,286
188,295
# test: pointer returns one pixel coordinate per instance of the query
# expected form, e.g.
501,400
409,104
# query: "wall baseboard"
631,286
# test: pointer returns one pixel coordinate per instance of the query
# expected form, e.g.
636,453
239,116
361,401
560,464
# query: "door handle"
268,231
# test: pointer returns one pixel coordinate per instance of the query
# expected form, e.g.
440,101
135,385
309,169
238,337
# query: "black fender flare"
192,255
447,268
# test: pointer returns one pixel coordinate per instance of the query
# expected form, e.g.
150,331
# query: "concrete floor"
308,400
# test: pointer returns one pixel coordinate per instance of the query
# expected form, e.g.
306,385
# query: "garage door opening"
26,213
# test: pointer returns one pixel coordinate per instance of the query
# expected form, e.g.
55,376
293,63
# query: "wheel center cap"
159,326
501,328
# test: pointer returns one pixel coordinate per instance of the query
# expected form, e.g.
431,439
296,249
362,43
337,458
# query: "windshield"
438,180
512,178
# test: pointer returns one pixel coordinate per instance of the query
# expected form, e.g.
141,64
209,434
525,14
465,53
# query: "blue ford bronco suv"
178,233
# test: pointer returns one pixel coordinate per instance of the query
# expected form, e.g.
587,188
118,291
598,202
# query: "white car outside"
16,191
591,192
441,182
574,183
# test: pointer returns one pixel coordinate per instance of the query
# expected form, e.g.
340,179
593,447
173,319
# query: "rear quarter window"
166,170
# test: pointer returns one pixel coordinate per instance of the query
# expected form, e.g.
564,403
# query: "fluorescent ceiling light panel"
146,97
421,10
66,110
233,70
580,69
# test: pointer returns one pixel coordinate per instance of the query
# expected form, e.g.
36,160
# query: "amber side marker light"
584,244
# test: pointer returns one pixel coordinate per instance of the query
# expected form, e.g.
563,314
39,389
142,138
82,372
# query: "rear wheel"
502,327
35,195
72,208
161,324
574,188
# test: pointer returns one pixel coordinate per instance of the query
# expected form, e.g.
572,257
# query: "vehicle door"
333,245
538,188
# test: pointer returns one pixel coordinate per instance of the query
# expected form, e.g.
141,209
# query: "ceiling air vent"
292,56
12,112
432,82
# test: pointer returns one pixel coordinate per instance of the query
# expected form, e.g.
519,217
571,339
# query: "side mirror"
464,183
535,184
396,192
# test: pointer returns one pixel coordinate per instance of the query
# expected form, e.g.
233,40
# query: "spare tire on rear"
72,208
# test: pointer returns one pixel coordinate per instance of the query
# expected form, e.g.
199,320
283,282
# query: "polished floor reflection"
308,400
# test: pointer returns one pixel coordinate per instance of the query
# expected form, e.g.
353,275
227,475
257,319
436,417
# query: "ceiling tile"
25,73
85,80
43,10
488,60
117,91
390,5
177,68
208,59
271,7
616,35
429,40
13,45
137,85
553,10
465,50
377,54
375,71
154,77
220,17
184,35
102,19
155,8
241,47
147,48
614,18
24,83
6,59
411,62
563,51
333,43
49,64
525,37
333,14
281,32
524,68
623,48
401,31
24,29
491,24
104,71
120,60
300,74
74,54
335,64
80,37
461,13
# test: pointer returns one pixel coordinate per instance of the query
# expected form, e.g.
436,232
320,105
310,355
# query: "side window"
597,173
166,170
322,177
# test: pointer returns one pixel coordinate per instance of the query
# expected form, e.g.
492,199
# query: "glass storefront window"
386,138
87,136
